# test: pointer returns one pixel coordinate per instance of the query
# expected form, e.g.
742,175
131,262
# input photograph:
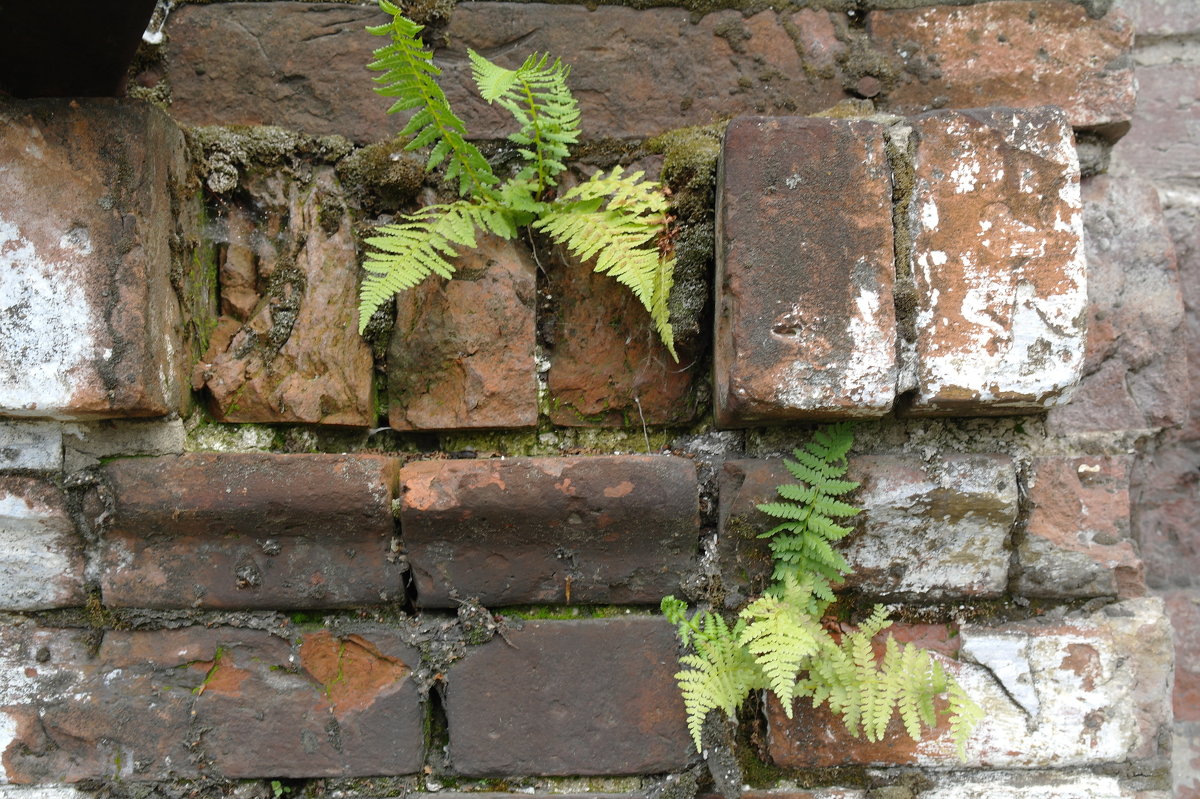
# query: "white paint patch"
929,215
1007,786
1006,657
37,571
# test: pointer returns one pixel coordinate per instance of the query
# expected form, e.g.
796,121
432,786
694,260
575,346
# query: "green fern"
616,220
779,642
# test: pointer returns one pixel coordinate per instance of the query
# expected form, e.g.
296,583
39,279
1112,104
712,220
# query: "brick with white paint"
41,556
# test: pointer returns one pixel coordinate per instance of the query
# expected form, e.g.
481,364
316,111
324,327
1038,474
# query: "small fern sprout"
617,221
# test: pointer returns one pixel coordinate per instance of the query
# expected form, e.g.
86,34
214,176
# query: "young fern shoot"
778,642
618,220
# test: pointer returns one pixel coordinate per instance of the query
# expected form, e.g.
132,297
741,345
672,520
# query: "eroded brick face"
998,264
615,529
805,325
41,555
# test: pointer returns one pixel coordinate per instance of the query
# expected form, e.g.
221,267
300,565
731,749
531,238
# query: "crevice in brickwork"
437,734
901,150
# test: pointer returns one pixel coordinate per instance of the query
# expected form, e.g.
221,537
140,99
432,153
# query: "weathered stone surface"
997,260
84,445
1079,691
1019,54
249,530
286,348
1135,366
926,531
1159,17
1076,541
89,325
804,312
1185,760
207,702
525,708
31,445
461,354
41,556
1168,514
1165,142
607,365
1018,785
302,65
817,793
601,529
1184,609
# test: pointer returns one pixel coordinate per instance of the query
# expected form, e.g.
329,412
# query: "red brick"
926,531
587,697
1184,609
41,555
1076,541
222,702
1164,143
997,260
1020,54
604,529
461,354
286,348
250,531
804,311
608,367
301,66
91,327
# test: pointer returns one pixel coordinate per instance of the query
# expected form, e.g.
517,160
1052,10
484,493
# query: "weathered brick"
249,530
461,354
31,445
1185,760
602,529
997,261
218,702
286,348
1135,364
301,66
1037,785
41,555
781,793
1019,54
524,706
804,312
89,325
1165,142
1184,609
1168,514
85,445
927,530
1076,541
1079,691
608,366
1160,17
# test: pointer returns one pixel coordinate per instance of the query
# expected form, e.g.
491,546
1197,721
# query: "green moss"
382,177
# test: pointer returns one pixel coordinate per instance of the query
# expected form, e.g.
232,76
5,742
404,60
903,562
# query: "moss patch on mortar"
382,177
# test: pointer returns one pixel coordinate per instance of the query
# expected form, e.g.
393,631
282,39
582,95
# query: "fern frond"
782,635
409,250
617,219
408,75
718,676
537,96
964,716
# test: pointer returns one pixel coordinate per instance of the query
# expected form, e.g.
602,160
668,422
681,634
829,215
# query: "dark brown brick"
1021,54
604,529
461,355
89,324
250,530
596,696
221,702
926,530
805,324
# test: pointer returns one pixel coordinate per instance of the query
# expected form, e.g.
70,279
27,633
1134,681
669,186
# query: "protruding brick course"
996,230
248,530
89,326
605,529
41,555
569,697
805,324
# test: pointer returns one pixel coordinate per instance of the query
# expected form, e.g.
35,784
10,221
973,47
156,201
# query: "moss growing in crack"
382,176
567,612
225,153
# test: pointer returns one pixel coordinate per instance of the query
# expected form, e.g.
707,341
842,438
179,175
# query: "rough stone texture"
286,348
607,365
1165,144
85,445
525,706
41,556
790,793
928,531
1017,785
1184,609
248,530
1019,54
31,445
1153,18
1135,365
1168,514
805,324
301,65
997,260
1076,541
89,326
1079,691
1185,760
600,530
461,354
206,702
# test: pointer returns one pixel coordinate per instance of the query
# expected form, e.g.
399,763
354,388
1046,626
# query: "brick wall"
251,553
